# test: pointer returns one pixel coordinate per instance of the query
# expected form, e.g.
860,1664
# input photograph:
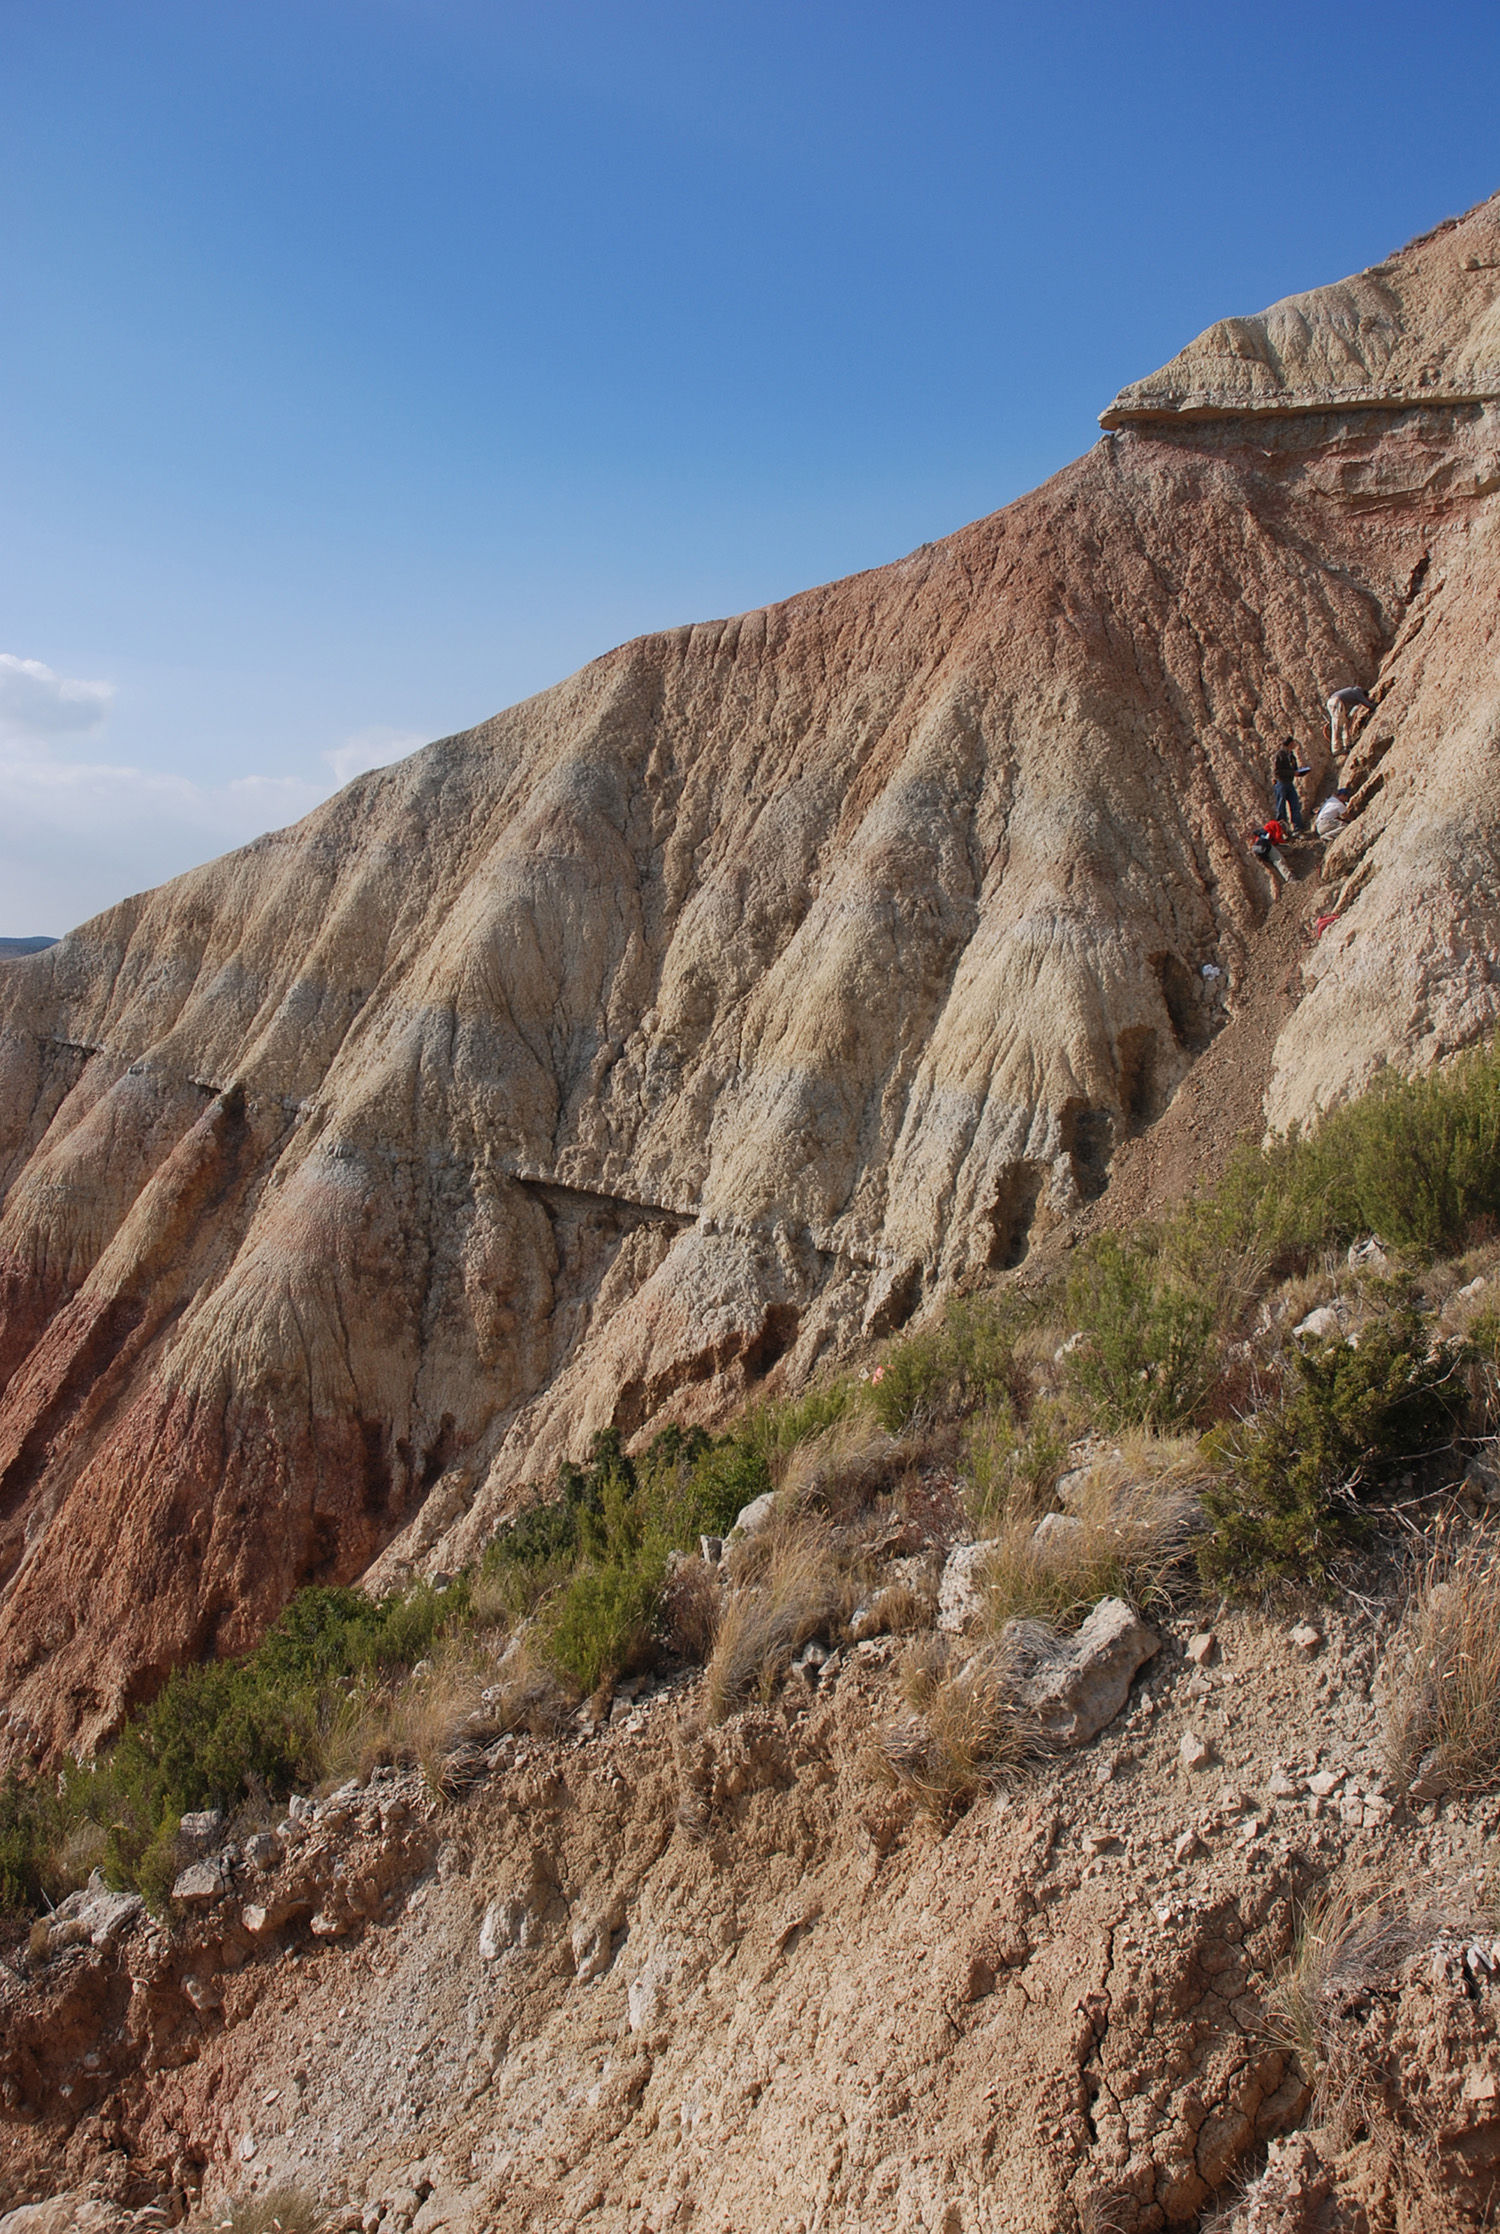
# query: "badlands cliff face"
735,998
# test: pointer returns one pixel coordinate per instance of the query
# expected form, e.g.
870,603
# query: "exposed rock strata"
728,1001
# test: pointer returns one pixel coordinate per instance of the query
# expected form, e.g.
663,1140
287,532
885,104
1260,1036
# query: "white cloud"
371,748
36,704
77,835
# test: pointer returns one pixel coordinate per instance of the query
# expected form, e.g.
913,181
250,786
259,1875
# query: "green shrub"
1286,1498
1004,1461
600,1549
29,1823
604,1618
1416,1160
1149,1355
963,1363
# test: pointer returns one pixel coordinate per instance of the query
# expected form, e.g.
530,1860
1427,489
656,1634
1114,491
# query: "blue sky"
369,364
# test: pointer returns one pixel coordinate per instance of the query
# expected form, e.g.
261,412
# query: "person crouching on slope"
1332,815
1266,841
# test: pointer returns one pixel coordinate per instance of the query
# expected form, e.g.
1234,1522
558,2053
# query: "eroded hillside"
729,1002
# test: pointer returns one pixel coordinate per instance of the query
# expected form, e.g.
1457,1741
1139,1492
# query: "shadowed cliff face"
730,1000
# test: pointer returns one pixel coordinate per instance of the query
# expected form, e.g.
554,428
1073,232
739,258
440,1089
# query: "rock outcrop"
733,999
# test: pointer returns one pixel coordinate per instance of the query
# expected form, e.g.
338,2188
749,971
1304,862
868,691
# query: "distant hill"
9,948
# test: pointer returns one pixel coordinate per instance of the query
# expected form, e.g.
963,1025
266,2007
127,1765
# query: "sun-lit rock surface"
735,997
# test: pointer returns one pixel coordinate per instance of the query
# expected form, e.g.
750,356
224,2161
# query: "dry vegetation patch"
1443,1670
799,1585
964,1735
1127,1523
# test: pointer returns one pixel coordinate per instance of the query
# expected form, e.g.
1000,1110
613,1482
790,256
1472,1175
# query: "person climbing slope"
1342,706
1285,769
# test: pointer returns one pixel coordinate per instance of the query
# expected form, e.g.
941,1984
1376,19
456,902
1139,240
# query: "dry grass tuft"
281,2210
964,1735
1129,1523
1347,1917
692,1601
439,1719
842,1470
798,1587
1351,1949
896,1611
1442,1672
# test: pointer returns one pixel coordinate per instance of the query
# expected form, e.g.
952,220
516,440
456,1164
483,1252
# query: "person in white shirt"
1332,814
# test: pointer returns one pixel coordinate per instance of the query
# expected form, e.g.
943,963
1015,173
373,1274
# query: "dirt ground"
671,1976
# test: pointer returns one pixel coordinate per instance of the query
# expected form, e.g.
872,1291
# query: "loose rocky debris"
667,1960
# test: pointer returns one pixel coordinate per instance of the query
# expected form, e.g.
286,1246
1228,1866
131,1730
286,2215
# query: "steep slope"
731,999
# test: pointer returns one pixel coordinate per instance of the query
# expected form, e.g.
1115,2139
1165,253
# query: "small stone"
247,2147
961,1597
1058,1535
1284,1787
1187,1846
256,1919
202,1828
263,1851
199,1884
1194,1752
1325,1783
1099,1842
755,1516
710,1550
1429,1783
327,1926
1305,1640
202,1992
1322,1325
1070,1485
1368,1255
1202,1647
1199,1686
1075,1686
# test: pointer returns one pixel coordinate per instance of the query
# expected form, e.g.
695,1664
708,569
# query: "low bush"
216,1735
1130,1523
1290,1476
1005,1461
1416,1160
1148,1356
966,1361
29,1830
281,2210
799,1587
